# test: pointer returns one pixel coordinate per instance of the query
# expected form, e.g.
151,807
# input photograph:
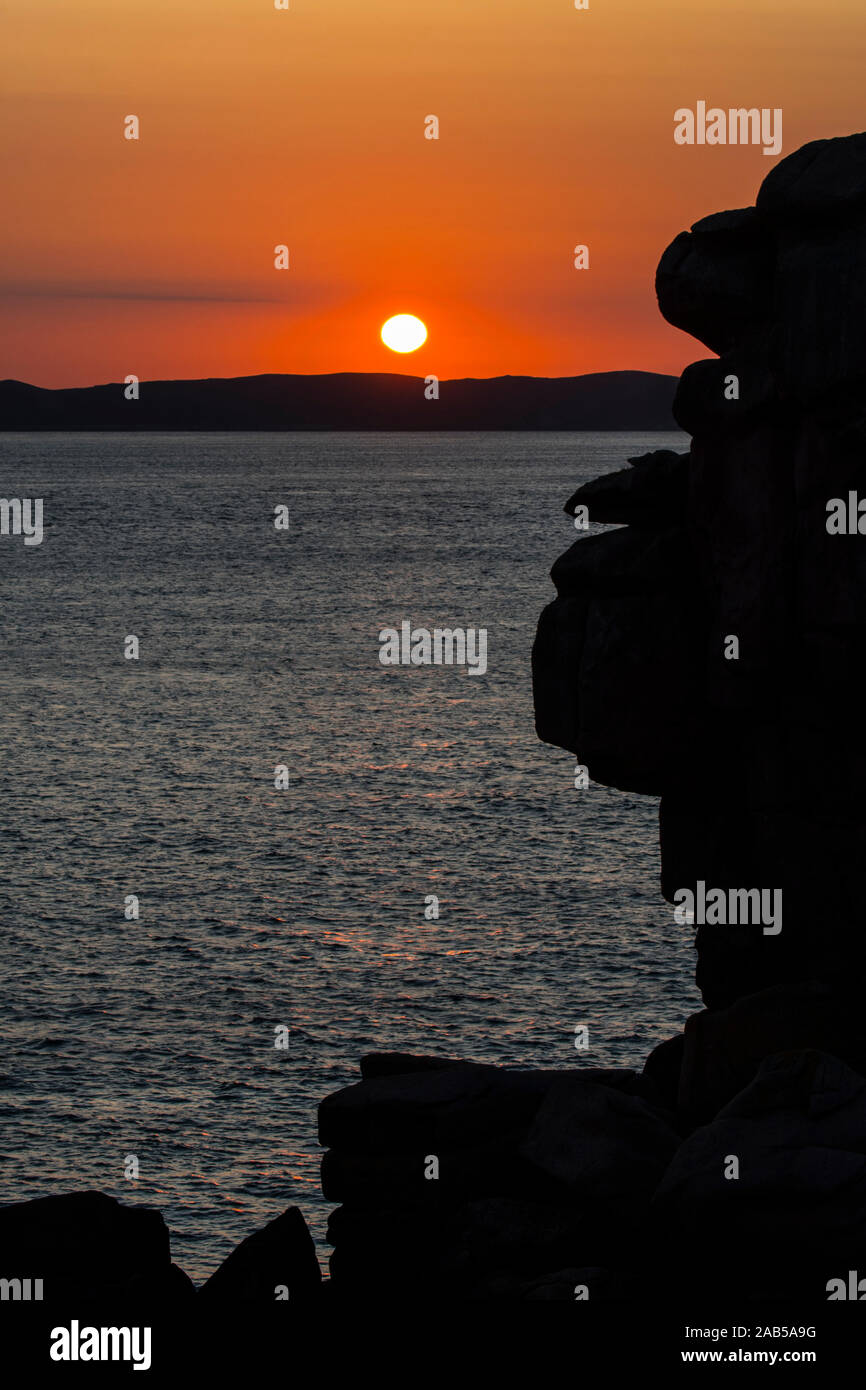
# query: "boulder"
794,1215
403,1064
731,394
88,1245
823,181
624,620
507,1193
274,1264
715,281
598,1141
652,492
459,1106
723,1049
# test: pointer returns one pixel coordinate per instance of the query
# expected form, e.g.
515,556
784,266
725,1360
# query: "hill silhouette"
350,401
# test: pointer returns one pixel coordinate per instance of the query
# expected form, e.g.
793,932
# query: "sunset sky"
306,127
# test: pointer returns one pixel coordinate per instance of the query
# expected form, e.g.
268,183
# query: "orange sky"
306,127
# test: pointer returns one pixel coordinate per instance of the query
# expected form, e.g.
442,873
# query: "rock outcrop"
88,1248
466,1181
709,652
791,1215
753,748
276,1264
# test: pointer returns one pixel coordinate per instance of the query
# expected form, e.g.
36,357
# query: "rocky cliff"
712,651
709,651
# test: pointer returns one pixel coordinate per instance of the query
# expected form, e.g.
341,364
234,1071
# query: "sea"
193,956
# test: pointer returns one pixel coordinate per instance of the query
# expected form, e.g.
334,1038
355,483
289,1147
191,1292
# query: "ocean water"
304,907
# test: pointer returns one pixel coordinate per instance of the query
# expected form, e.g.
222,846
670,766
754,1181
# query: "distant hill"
351,401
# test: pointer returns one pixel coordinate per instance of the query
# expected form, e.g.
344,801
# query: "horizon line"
319,376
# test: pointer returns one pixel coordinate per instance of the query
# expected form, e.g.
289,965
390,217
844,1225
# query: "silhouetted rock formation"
584,1186
277,1263
757,759
617,1184
795,1216
88,1247
532,1168
85,1245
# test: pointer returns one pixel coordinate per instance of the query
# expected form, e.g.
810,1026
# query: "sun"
403,333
